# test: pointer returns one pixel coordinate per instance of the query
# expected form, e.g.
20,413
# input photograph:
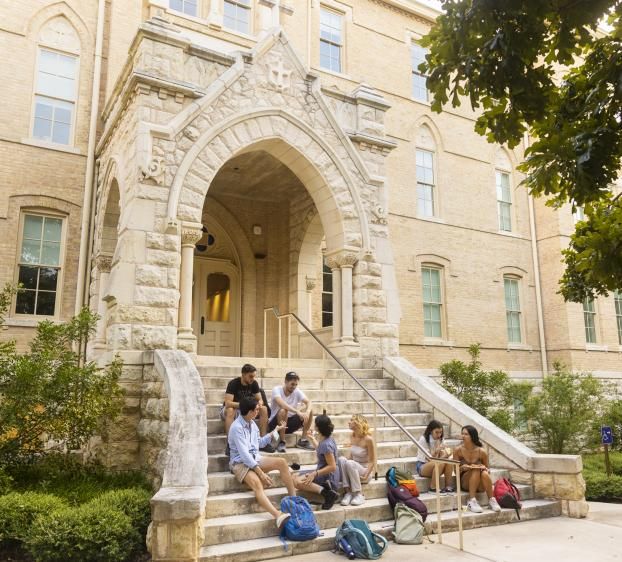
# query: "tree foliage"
490,393
50,399
508,58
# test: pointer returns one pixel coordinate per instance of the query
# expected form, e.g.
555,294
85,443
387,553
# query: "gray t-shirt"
324,447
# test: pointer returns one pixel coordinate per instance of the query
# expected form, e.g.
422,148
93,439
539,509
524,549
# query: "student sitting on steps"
432,442
248,466
290,405
474,469
324,480
238,388
357,465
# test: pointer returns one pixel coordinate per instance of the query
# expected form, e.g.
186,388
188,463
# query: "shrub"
50,395
6,482
133,502
491,393
18,511
600,487
562,415
89,533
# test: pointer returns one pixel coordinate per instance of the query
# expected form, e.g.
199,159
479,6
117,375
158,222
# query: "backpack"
302,525
397,477
507,495
363,541
409,527
399,494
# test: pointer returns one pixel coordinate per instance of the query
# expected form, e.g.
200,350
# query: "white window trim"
444,337
251,20
426,101
436,203
174,11
521,344
61,265
596,345
513,225
342,51
72,131
618,317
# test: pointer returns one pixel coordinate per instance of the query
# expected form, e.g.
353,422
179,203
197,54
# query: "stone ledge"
179,503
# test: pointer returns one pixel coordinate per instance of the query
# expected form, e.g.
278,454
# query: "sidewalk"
598,538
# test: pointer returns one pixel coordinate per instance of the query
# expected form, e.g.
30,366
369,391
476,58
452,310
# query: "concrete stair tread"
271,547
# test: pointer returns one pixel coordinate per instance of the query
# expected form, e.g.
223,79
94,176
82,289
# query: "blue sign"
606,437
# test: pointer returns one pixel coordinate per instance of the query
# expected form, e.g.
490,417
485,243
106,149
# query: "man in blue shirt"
246,463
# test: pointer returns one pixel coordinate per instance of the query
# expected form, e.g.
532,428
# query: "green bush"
6,482
19,511
491,393
133,502
600,487
88,533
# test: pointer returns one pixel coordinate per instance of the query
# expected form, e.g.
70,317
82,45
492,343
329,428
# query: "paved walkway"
560,539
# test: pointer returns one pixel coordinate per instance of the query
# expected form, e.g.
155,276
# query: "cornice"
418,12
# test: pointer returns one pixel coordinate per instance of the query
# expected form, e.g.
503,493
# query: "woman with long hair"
432,442
324,480
474,474
357,465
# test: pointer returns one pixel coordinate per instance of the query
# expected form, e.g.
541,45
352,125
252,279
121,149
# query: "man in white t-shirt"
291,405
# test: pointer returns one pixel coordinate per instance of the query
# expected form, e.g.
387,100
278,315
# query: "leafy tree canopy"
543,68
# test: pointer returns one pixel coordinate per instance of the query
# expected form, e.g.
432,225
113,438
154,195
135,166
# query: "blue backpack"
301,526
361,539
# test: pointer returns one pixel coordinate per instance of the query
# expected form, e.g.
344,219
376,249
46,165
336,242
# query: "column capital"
310,283
191,234
103,262
345,257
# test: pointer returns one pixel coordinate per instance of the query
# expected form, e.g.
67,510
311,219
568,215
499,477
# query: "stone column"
341,263
103,263
332,262
190,235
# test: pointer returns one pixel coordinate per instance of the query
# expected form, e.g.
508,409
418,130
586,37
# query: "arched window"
503,182
511,287
431,278
427,193
56,83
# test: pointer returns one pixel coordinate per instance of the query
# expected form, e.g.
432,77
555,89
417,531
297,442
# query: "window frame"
433,185
617,302
183,3
510,312
45,213
440,304
501,202
323,292
414,71
341,45
592,315
239,4
73,126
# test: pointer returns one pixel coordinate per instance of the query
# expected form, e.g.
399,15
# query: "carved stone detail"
60,34
190,236
279,73
379,215
342,258
103,263
310,282
155,171
191,132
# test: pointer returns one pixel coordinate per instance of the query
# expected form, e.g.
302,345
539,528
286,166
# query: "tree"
490,393
51,399
505,57
562,415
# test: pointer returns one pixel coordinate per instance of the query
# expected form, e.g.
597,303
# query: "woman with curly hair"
357,465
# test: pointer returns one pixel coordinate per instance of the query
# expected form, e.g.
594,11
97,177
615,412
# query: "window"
55,97
188,7
512,309
617,297
327,295
425,183
417,56
504,201
218,298
238,15
578,215
39,265
330,40
432,302
589,319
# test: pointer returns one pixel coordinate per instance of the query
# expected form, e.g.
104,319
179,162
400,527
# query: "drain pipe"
89,183
536,273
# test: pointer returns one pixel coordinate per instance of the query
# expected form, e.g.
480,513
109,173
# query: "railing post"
459,500
437,483
280,338
289,342
265,333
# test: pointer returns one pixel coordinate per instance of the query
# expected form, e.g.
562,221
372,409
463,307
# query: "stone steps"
328,396
402,406
216,425
306,373
267,547
306,384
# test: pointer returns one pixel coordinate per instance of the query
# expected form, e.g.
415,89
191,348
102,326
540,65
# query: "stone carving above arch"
278,72
58,33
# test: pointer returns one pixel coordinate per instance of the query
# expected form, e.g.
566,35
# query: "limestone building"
182,165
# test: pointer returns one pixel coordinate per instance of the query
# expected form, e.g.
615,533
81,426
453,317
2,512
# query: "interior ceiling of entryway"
257,176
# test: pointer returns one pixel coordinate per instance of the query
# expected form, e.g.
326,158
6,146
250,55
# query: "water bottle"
345,546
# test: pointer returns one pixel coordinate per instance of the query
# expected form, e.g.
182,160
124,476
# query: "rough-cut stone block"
156,296
570,486
577,509
154,337
152,275
544,485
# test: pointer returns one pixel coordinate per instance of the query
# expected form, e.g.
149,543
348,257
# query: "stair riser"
322,396
335,408
216,426
223,506
279,373
220,383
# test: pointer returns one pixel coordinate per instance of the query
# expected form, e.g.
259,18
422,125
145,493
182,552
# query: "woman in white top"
432,442
357,465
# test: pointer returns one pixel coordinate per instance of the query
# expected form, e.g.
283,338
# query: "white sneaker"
473,506
494,505
280,520
358,499
347,498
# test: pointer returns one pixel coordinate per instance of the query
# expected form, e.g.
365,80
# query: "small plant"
491,393
562,414
51,398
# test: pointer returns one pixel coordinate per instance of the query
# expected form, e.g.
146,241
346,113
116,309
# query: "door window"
218,297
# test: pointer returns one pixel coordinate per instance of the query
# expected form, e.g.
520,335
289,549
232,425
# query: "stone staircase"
235,527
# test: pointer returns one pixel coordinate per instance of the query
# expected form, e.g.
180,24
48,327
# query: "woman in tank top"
357,465
474,473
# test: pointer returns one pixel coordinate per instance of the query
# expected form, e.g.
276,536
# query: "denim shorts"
419,466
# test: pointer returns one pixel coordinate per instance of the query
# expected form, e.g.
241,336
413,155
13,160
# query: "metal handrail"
377,402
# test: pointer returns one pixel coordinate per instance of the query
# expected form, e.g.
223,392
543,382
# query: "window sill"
52,146
431,219
519,347
422,102
29,322
434,342
333,73
510,234
596,347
